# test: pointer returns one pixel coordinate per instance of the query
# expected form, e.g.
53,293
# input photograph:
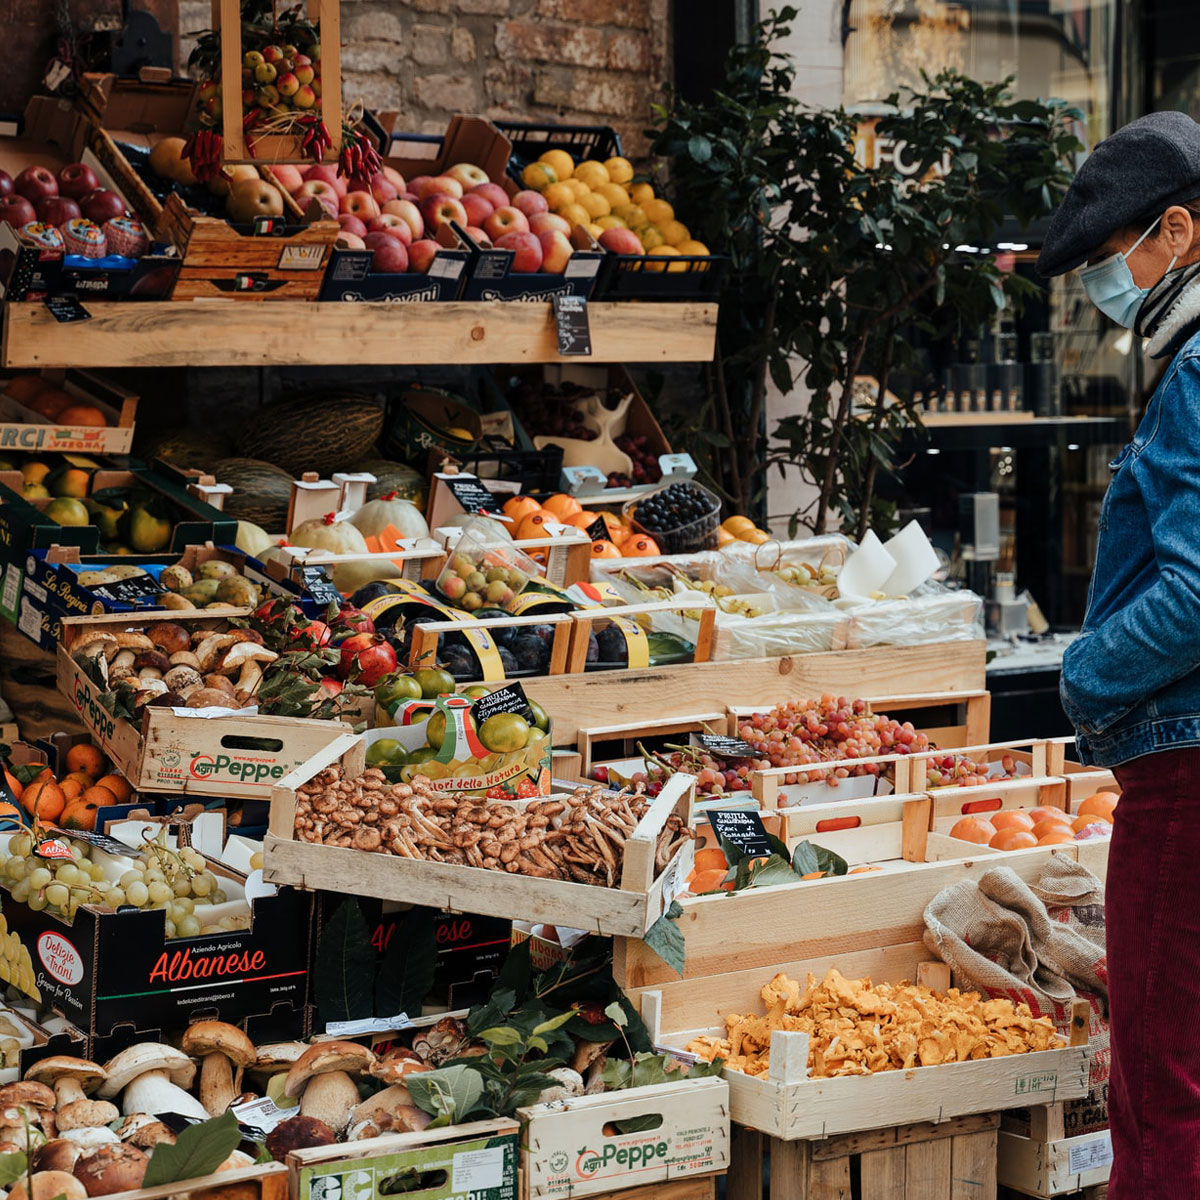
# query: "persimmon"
814,875
1102,804
1013,839
1046,828
711,859
974,829
1060,837
45,799
86,758
117,785
862,870
1013,818
1087,820
1047,812
707,881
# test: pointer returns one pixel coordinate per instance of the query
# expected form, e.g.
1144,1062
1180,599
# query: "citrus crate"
22,429
644,894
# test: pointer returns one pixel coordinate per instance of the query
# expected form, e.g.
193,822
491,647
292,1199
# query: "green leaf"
12,1167
616,1014
500,1035
405,975
516,972
554,1022
449,1092
809,858
639,1124
344,966
199,1150
665,938
772,873
700,148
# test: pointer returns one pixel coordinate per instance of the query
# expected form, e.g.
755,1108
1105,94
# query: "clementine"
1013,839
80,814
974,829
44,798
117,785
85,757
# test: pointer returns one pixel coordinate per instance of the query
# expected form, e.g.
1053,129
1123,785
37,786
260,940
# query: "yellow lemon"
34,472
632,215
659,211
595,230
650,237
641,192
560,162
611,222
580,188
558,194
575,214
691,246
614,193
675,232
620,170
593,173
665,251
737,525
596,204
538,176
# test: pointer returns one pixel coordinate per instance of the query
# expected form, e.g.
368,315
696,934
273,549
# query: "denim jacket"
1131,681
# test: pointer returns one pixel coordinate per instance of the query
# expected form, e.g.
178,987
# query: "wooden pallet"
1043,1153
954,1160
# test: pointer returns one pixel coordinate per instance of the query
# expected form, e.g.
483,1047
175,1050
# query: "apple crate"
23,430
496,273
231,756
629,910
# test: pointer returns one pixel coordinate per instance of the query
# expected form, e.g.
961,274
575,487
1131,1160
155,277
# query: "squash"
252,539
349,577
376,515
328,533
261,492
314,433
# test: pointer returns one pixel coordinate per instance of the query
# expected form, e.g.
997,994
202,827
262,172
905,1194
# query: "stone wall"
579,61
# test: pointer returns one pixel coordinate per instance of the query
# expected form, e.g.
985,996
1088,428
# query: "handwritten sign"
742,828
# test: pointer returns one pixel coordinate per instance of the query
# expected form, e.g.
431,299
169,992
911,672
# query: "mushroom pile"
579,838
165,665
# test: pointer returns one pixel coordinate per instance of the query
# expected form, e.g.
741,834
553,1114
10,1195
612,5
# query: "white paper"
262,1113
209,714
208,831
257,887
478,1170
1095,1152
369,1025
916,560
866,569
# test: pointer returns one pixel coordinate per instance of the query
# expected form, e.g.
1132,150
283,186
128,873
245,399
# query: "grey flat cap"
1139,171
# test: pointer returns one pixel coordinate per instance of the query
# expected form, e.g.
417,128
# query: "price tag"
66,309
571,322
262,1114
368,1025
598,530
471,494
726,747
1096,1152
509,699
743,828
319,586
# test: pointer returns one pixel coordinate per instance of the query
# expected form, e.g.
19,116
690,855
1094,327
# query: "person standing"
1130,224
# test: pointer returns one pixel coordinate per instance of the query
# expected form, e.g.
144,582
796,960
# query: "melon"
338,537
319,433
252,539
185,447
392,477
376,515
261,492
499,528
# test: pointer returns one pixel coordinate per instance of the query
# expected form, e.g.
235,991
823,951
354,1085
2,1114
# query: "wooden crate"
1048,1163
791,1106
636,731
266,1182
678,1189
641,615
951,1160
22,429
571,1148
424,641
628,911
234,756
604,697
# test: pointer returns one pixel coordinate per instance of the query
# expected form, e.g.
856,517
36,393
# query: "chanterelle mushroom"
71,1078
222,1048
321,1077
152,1077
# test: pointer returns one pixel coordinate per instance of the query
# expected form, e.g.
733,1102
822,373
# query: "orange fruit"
117,785
724,537
23,388
44,798
1046,828
640,547
737,525
14,784
72,789
86,758
1013,818
51,402
80,814
83,414
519,507
533,526
1047,812
10,811
707,881
1102,805
711,859
1060,837
101,797
562,506
1013,839
80,777
974,829
756,537
1082,822
582,519
603,548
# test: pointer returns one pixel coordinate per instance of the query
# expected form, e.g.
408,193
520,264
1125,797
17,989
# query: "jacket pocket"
1118,462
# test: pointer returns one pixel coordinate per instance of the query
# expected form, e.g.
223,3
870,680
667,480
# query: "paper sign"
726,747
471,494
262,1114
916,560
1095,1152
867,569
478,1170
368,1025
743,828
571,324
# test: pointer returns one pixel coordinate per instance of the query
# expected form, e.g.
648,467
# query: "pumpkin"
328,533
376,515
252,539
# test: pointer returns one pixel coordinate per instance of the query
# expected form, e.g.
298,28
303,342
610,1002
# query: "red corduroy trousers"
1152,916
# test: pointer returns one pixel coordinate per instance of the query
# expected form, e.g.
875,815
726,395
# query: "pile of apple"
398,221
623,216
37,194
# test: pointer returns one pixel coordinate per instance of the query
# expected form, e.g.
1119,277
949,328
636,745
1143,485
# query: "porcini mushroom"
144,1131
209,651
110,1169
151,1077
71,1078
298,1133
248,658
388,1111
89,1137
321,1077
121,666
440,1041
183,680
224,1050
57,1155
49,1185
170,637
207,697
396,1065
85,1114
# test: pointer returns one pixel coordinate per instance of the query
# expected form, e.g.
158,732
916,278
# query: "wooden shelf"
283,333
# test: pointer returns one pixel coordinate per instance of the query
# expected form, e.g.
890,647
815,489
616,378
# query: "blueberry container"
698,533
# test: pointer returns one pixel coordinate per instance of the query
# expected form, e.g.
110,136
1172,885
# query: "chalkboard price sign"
471,494
743,828
726,747
67,308
571,322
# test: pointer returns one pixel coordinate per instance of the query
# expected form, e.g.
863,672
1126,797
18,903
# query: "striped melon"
319,433
185,447
260,492
393,477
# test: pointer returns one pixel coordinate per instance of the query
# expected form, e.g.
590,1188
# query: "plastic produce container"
698,533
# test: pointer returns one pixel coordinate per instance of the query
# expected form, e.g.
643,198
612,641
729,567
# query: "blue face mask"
1110,284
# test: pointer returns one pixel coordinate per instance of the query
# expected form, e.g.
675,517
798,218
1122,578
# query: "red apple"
389,255
102,205
351,224
360,204
287,176
6,184
477,208
468,174
493,193
545,222
621,241
556,251
505,220
76,180
378,185
317,189
16,210
527,249
394,178
390,223
479,237
530,203
349,241
35,182
328,173
410,213
415,184
421,255
366,658
441,185
56,210
439,209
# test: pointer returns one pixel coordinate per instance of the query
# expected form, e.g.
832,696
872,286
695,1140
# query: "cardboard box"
349,277
23,430
491,276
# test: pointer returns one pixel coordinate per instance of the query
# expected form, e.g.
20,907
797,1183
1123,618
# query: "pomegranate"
331,686
366,658
311,636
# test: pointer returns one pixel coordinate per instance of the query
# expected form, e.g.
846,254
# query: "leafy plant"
199,1150
807,861
841,268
